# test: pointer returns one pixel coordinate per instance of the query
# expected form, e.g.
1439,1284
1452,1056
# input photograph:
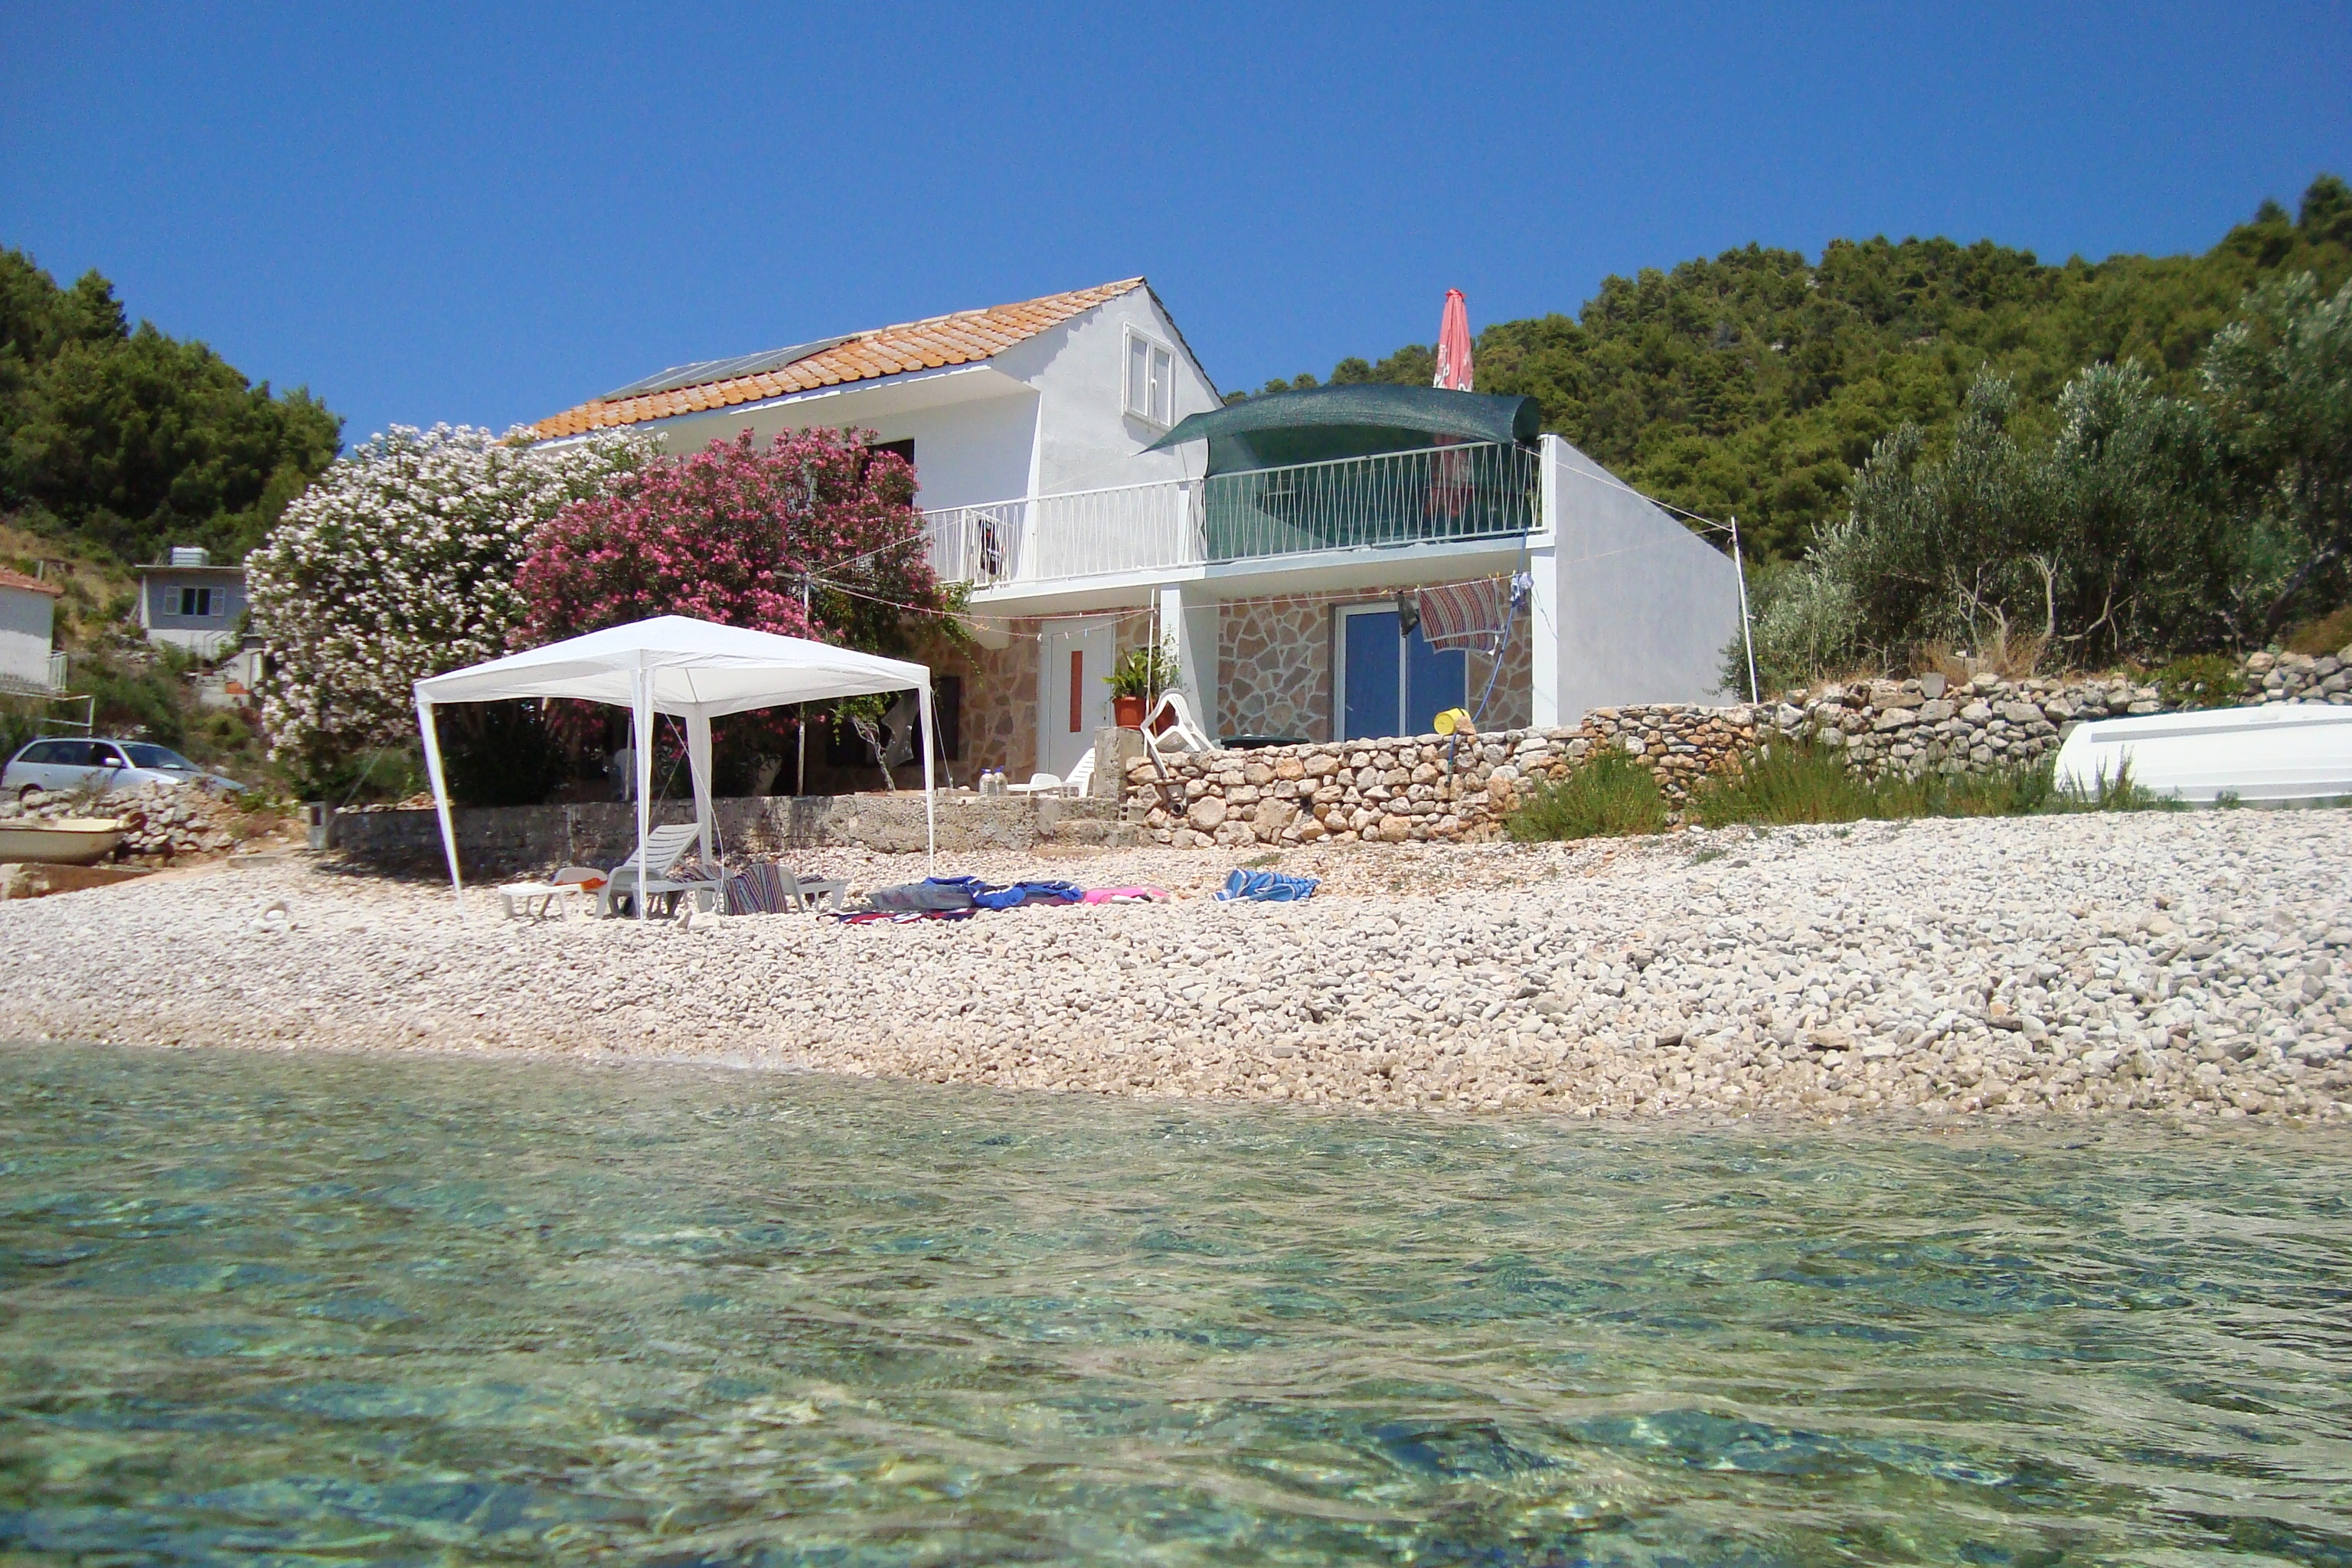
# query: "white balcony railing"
1474,490
1083,533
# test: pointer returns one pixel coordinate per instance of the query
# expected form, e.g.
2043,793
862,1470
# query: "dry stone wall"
159,821
1413,789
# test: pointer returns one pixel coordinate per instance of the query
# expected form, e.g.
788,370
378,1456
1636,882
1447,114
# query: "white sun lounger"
664,847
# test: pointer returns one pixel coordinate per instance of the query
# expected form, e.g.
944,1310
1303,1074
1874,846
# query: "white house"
27,625
1079,469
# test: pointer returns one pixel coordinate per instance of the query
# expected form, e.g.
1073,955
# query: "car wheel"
27,793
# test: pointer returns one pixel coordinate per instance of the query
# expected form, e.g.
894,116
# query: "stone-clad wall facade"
1425,787
1274,674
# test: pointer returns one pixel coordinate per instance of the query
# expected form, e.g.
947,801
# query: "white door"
1072,700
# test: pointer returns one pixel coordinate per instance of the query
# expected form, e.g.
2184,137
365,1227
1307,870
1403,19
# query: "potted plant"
1137,676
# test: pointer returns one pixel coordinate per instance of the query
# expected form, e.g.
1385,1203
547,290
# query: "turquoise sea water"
318,1310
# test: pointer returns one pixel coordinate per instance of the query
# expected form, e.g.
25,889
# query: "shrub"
2201,681
1610,795
399,563
500,754
1792,782
2329,634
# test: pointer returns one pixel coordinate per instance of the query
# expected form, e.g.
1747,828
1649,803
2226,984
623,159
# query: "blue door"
1392,685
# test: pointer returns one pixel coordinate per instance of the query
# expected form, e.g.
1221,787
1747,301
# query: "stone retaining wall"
1412,789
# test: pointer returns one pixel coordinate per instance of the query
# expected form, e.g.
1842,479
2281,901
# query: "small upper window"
1150,379
197,601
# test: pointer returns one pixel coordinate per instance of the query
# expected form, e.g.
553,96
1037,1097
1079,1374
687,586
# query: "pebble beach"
2197,965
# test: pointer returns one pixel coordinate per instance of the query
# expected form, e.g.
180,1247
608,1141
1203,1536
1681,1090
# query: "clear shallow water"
308,1310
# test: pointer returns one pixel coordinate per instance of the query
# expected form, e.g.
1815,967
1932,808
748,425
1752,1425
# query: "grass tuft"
1610,796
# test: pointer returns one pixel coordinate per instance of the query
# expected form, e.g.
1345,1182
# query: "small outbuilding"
28,609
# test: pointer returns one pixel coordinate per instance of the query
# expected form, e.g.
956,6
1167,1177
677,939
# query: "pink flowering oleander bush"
731,532
398,562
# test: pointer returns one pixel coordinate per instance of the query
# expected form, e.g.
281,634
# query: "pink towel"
1126,896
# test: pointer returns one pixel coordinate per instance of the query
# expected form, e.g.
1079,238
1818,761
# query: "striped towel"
761,887
1467,614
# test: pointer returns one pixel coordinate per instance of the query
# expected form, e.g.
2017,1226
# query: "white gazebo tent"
695,671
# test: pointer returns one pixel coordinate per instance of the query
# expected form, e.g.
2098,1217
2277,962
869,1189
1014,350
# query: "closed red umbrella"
1453,343
1450,480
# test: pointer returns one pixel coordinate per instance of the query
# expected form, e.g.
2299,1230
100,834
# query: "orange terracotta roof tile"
19,580
959,339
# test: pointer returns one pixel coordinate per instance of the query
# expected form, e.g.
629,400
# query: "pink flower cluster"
731,534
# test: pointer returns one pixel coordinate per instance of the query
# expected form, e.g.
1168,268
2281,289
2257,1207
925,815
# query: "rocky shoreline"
2190,963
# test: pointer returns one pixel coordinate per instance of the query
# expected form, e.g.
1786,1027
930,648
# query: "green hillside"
1755,383
115,442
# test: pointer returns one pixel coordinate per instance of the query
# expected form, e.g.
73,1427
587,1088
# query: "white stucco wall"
1086,439
1639,608
26,618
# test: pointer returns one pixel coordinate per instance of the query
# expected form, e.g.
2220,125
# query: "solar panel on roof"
701,372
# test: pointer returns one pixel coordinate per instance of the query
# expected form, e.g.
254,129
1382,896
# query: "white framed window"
1150,379
199,601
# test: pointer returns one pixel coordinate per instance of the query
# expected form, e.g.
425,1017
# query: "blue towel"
1021,893
1268,888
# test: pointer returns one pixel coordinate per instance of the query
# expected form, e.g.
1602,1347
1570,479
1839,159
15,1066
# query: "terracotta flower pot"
1127,713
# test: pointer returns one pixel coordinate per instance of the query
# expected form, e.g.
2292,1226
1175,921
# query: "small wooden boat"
2280,754
64,841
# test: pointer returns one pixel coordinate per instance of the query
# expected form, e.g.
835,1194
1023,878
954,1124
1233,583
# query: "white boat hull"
2282,753
66,841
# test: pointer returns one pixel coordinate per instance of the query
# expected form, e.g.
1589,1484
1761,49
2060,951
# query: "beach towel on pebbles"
1267,888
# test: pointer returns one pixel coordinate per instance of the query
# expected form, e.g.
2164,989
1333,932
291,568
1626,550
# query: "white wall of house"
1630,606
28,619
1086,439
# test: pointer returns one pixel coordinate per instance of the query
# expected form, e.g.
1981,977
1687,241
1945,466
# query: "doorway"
1072,700
1385,684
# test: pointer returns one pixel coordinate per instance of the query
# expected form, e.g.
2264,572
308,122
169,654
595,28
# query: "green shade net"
1348,466
1284,428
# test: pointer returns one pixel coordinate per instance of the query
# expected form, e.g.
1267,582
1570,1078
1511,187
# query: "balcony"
1448,494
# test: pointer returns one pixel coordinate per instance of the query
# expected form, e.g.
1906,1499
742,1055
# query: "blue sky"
486,214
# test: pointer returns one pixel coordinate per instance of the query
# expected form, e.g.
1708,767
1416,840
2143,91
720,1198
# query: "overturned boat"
63,841
2280,754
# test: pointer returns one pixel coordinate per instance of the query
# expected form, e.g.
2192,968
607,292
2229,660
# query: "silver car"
103,767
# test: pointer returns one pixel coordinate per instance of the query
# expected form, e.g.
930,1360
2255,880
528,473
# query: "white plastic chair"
1185,734
1039,784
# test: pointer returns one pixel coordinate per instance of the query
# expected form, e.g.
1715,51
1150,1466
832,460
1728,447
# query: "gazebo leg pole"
930,794
441,798
641,721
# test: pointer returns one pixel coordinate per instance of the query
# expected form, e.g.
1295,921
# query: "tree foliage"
2144,524
126,440
399,563
1757,382
732,534
735,533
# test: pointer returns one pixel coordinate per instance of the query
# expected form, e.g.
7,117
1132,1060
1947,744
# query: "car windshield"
155,757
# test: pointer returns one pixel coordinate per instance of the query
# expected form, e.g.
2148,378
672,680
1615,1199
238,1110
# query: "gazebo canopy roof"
1361,419
699,668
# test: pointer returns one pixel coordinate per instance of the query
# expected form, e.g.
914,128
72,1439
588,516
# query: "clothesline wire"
1661,505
